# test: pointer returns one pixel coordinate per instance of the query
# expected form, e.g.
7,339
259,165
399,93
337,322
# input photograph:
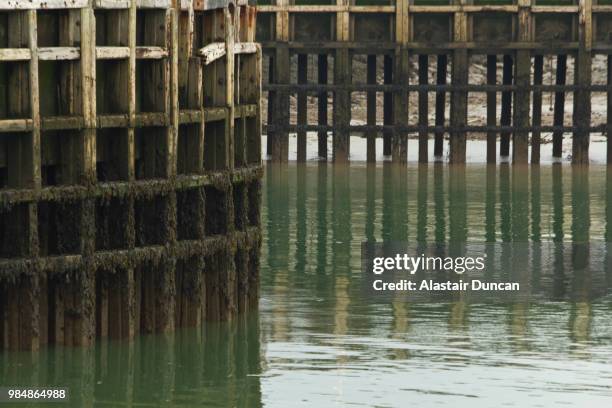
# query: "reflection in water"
345,349
217,367
318,341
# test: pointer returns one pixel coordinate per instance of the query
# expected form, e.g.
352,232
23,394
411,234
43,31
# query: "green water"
318,341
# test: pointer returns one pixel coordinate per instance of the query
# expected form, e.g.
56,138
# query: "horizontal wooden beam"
212,52
143,52
59,53
112,4
15,125
154,4
15,54
246,48
112,52
42,4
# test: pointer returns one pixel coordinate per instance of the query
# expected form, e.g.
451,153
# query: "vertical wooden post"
322,106
559,108
520,150
399,144
423,107
538,73
84,325
491,109
609,111
441,71
342,106
271,137
342,97
582,96
371,109
387,104
459,97
459,104
280,114
506,108
279,139
302,113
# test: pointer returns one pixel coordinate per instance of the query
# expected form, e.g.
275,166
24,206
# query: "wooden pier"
130,167
396,37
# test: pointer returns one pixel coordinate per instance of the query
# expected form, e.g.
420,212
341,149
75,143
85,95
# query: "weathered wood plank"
212,52
105,53
15,54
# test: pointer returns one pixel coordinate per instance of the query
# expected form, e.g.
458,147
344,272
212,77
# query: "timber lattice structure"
518,32
129,167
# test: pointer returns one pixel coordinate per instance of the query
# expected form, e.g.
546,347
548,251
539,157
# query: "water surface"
318,341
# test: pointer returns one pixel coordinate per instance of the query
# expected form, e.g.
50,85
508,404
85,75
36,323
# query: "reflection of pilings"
341,219
321,211
505,206
422,204
395,214
439,204
490,204
301,220
581,222
457,204
370,203
341,247
278,224
608,228
536,227
457,216
520,204
558,233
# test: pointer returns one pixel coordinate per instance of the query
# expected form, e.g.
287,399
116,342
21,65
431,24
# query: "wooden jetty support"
130,167
515,34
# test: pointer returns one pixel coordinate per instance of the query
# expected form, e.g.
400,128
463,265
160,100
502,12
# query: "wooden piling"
280,113
110,121
459,111
506,106
387,104
441,71
302,113
342,106
582,78
322,106
371,109
520,143
423,107
559,107
536,115
399,142
582,108
491,109
609,111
